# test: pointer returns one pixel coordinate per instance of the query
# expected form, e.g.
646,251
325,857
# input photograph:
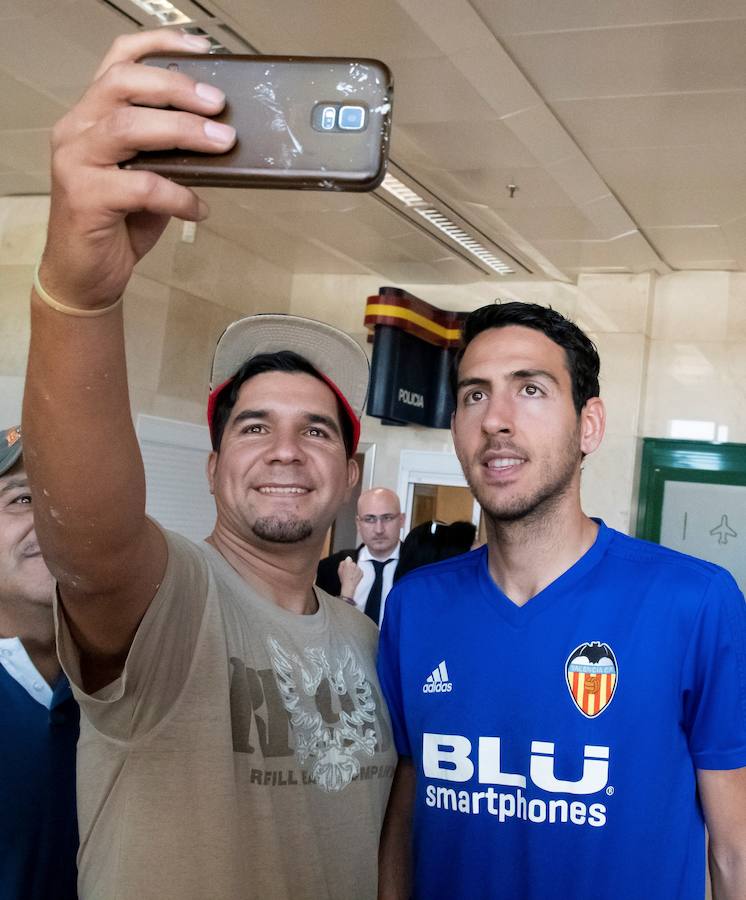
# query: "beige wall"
672,348
179,301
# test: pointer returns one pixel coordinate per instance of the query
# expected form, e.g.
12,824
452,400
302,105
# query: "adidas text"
438,681
437,688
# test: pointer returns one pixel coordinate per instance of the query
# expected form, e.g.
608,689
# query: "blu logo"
448,757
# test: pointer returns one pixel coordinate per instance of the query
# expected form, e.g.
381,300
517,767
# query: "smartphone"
309,123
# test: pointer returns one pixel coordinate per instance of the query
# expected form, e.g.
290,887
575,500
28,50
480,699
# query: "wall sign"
414,344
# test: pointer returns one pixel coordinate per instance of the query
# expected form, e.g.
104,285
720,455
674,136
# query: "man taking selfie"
234,742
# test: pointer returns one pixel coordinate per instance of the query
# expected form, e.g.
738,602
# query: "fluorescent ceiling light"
163,10
400,190
465,240
439,220
165,13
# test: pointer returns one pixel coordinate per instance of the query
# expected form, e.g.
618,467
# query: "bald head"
379,520
378,497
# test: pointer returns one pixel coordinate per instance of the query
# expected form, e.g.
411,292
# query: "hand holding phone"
102,221
311,123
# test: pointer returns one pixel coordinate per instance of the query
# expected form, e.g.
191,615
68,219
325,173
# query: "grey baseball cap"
10,448
337,357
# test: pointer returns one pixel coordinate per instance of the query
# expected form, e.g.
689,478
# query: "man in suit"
363,575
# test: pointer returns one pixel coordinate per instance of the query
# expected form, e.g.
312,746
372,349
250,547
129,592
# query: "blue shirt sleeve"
389,670
714,679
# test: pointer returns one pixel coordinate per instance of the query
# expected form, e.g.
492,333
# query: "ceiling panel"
537,128
381,29
629,253
657,120
58,73
662,165
703,56
314,258
550,223
678,186
536,188
90,26
685,204
433,90
469,145
578,180
621,119
12,9
699,248
22,107
271,202
417,245
508,16
31,145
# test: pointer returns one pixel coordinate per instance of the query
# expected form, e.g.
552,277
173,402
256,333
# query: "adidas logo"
437,682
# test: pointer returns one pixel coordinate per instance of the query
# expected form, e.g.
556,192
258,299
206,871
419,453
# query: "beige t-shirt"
245,751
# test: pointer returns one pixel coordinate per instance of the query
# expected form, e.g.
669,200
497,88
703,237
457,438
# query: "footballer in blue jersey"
569,703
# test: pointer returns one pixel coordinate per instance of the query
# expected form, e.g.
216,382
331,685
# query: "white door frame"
368,451
428,467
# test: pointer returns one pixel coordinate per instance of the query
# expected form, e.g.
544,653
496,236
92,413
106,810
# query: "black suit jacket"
326,573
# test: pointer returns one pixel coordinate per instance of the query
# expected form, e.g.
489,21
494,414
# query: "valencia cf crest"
591,671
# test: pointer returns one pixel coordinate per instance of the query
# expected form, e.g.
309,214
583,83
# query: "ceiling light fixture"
428,209
399,190
193,17
163,10
465,240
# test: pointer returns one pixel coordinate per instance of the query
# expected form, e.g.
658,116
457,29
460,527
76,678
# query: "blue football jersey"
556,744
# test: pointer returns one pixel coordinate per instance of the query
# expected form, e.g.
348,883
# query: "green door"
693,499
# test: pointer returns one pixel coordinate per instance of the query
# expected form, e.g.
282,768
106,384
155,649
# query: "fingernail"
221,134
196,42
209,92
203,210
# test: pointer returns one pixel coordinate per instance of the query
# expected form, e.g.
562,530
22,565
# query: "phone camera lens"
351,118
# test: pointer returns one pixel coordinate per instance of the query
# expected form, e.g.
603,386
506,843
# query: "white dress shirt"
17,663
366,582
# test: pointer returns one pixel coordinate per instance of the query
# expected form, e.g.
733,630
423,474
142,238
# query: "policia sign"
414,344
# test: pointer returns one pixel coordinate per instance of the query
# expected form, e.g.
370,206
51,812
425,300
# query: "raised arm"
80,448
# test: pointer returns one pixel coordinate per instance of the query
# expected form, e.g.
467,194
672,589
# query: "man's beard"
527,507
282,531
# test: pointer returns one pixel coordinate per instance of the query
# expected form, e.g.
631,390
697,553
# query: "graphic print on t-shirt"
591,673
332,748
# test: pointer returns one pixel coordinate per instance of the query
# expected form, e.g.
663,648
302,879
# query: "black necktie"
373,603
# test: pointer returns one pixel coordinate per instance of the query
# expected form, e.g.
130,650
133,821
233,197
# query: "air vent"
402,193
192,17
